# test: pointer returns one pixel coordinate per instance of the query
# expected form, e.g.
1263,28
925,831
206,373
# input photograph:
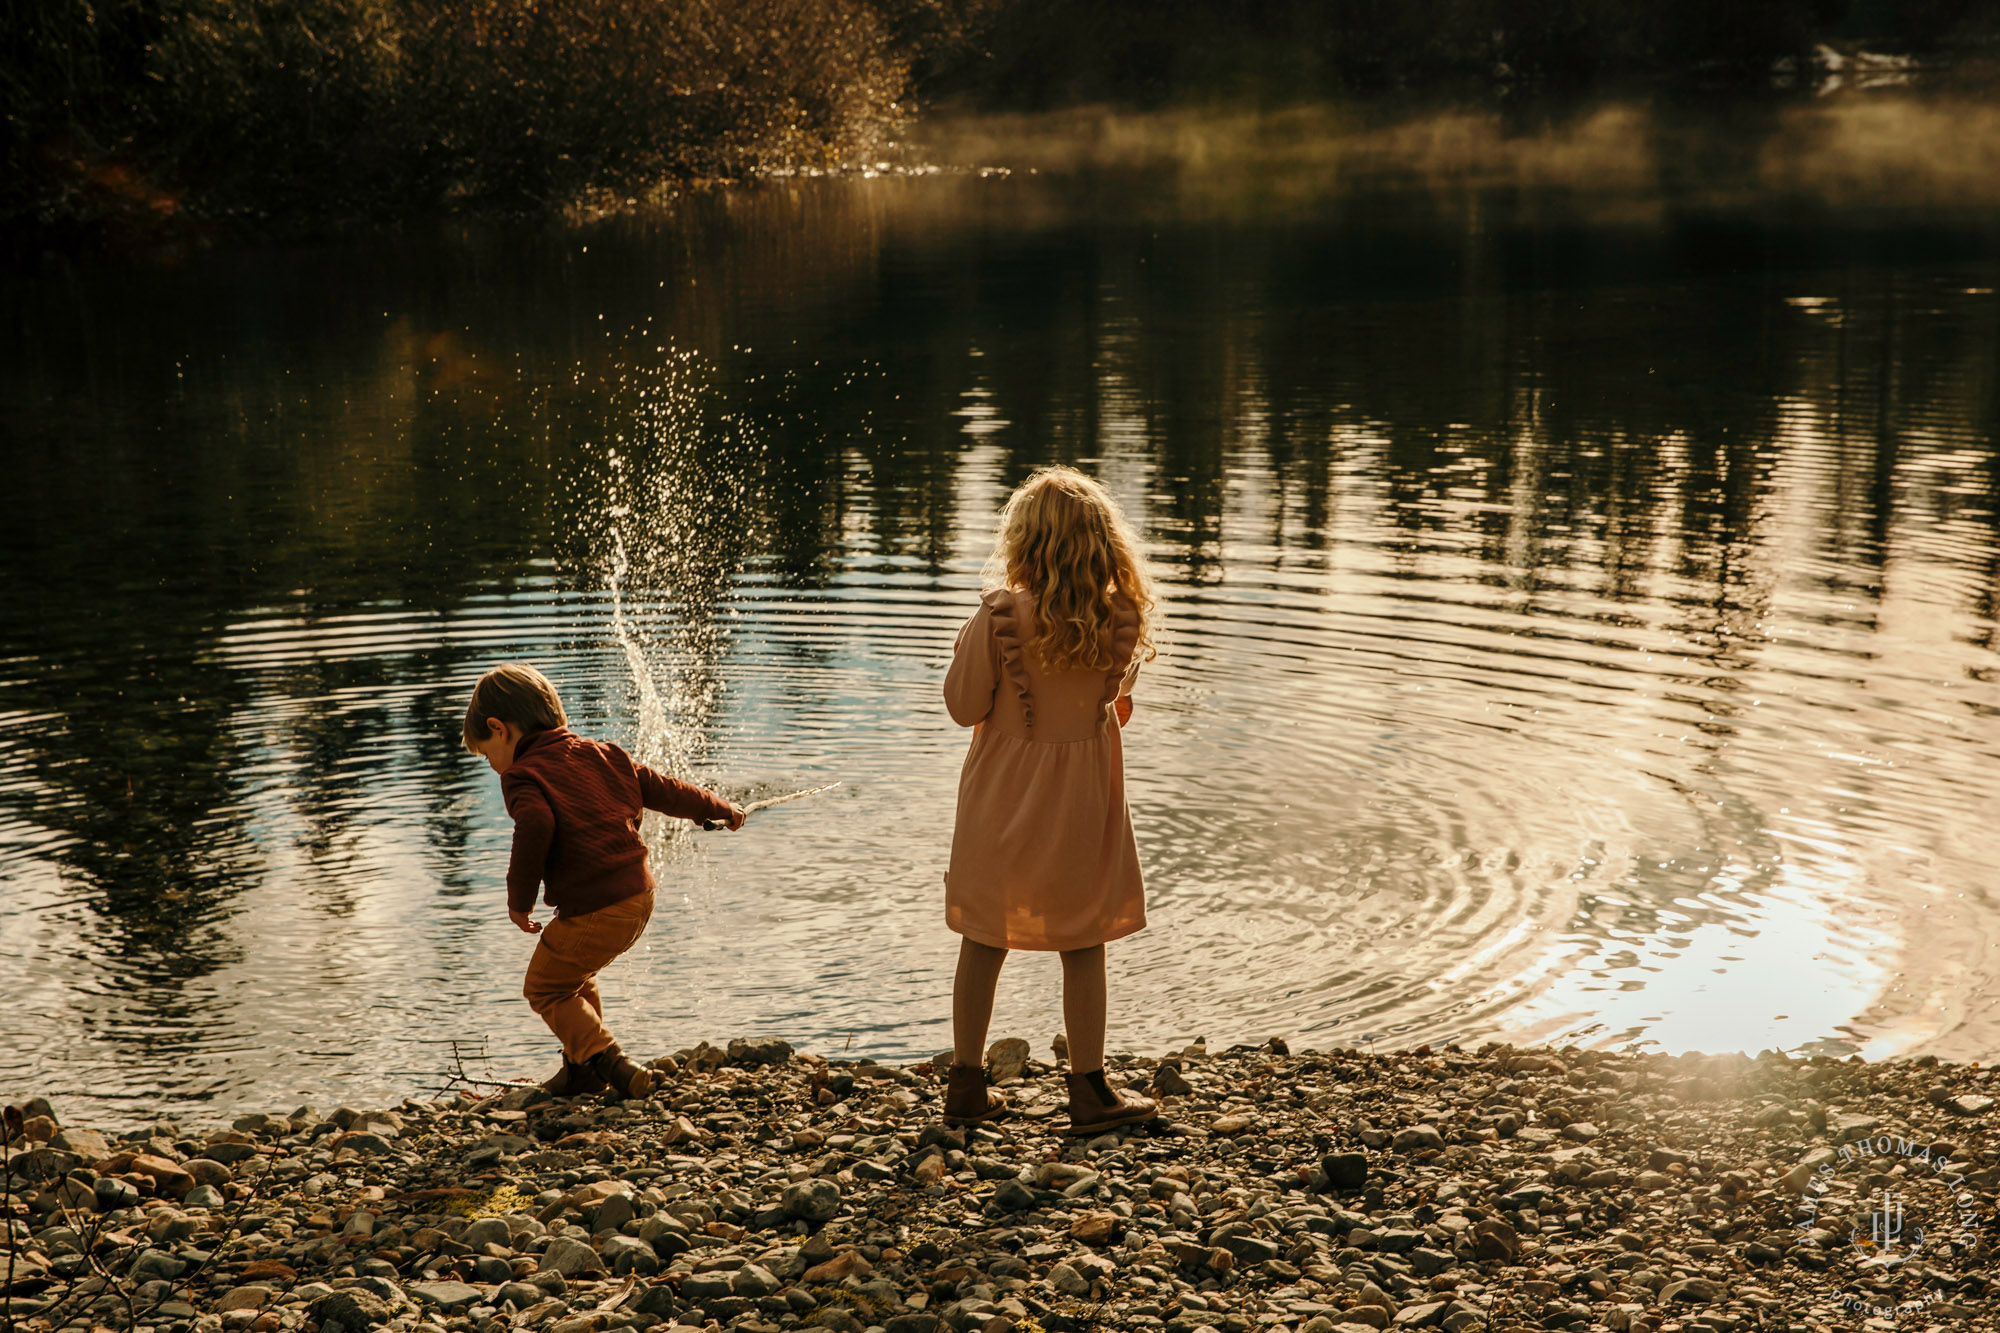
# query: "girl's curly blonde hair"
1065,540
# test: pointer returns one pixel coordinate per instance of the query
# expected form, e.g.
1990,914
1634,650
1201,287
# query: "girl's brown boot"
620,1074
1094,1106
967,1100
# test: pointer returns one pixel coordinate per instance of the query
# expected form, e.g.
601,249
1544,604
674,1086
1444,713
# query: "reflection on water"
1581,619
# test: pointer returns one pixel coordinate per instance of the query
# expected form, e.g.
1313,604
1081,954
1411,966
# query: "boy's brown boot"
967,1100
573,1080
1095,1106
620,1074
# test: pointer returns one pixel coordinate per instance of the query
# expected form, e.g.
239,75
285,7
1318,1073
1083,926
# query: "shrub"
396,106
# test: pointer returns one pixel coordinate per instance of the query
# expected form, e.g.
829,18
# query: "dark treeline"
1042,52
127,114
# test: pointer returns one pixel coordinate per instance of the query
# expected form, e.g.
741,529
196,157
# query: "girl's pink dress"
1042,856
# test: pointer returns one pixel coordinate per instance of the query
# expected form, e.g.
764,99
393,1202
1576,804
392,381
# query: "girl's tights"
1084,1003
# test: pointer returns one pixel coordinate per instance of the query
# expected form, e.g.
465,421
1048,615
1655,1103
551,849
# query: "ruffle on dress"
1013,659
1008,633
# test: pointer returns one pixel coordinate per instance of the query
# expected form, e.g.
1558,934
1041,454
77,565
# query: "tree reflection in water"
1598,466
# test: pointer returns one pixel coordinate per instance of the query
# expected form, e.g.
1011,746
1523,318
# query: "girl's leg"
972,1000
1085,1001
1094,1105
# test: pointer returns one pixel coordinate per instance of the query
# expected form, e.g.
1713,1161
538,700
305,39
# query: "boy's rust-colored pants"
561,984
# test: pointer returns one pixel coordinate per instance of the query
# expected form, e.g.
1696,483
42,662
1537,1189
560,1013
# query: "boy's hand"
737,814
524,921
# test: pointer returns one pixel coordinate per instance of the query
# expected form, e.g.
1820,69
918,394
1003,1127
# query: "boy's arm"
682,800
534,829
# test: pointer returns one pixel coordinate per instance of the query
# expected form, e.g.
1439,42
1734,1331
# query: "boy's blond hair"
513,692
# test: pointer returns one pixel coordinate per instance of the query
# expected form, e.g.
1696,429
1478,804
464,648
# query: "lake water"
1577,531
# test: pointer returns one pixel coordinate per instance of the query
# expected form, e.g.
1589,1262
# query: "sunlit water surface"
1580,577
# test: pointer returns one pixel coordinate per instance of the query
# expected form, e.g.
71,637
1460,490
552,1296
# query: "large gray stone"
208,1171
754,1281
495,1146
1416,1137
490,1269
243,1298
1013,1197
569,1256
155,1264
43,1164
839,1320
812,1200
706,1286
667,1237
488,1231
614,1213
1345,1170
767,1051
1691,1289
373,1144
448,1295
1006,1059
88,1144
1429,1262
350,1307
629,1254
1536,1197
658,1300
110,1194
229,1154
1251,1249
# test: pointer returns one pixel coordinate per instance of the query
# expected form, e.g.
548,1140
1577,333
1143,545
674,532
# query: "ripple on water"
1447,739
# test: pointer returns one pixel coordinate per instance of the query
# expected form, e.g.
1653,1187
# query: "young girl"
1042,856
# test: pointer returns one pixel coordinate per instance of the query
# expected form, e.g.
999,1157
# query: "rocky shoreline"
761,1190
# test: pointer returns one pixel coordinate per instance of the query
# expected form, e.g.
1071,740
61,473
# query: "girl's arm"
1128,642
971,679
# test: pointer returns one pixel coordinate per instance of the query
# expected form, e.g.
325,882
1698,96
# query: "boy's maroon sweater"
576,805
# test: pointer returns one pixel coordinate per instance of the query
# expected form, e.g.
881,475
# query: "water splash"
655,740
663,515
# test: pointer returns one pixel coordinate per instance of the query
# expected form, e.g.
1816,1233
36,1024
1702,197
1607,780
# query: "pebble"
764,1190
811,1200
1419,1136
569,1256
1007,1059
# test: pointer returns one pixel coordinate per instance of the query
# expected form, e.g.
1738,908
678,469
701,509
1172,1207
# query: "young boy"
576,806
